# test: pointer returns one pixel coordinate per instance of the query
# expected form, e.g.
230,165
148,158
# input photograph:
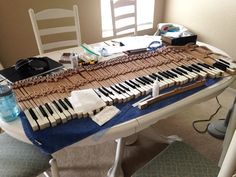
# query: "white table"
131,127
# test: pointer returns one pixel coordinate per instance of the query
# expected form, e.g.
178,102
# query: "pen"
120,43
106,43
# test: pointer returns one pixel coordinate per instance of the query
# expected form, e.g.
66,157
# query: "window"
145,13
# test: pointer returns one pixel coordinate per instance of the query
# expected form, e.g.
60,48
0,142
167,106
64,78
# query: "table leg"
116,169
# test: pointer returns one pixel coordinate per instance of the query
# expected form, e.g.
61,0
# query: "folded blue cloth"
53,139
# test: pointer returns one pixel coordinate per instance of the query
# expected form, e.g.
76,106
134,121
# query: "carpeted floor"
94,161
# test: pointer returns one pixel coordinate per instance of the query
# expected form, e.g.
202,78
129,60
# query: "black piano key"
145,80
117,91
140,81
49,109
43,111
164,75
227,66
170,76
120,89
194,69
197,67
57,106
171,73
129,84
225,62
186,68
68,103
178,72
220,66
205,66
109,92
149,80
153,77
181,70
135,84
33,114
103,92
62,104
209,65
124,87
159,77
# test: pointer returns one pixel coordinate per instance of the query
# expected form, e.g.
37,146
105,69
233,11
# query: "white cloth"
86,101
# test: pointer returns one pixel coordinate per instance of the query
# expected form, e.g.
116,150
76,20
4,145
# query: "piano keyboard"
51,114
45,102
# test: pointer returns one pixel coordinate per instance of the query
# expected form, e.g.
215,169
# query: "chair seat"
18,159
178,160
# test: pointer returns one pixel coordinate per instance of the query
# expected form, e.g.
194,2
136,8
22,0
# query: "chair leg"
54,168
116,169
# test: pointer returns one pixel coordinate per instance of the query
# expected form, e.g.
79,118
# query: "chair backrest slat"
121,3
118,30
59,44
52,14
124,16
64,29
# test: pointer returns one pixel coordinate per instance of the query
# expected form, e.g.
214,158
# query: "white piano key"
51,119
128,93
105,98
67,114
192,74
127,96
32,122
123,97
112,96
43,123
54,114
134,91
61,115
168,81
119,97
79,113
161,84
211,73
143,89
71,111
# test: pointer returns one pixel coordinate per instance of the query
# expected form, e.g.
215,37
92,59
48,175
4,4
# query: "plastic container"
9,109
74,60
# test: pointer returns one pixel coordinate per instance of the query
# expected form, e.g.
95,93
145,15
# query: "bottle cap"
5,90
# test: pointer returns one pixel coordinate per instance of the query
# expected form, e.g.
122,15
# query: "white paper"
86,101
105,115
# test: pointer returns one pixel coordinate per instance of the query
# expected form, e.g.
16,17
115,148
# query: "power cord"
206,120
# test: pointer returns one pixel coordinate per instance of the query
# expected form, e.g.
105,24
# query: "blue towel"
53,139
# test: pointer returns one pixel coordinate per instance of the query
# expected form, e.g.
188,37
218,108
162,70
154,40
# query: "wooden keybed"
110,75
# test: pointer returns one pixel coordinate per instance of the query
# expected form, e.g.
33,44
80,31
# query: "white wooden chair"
122,11
52,14
1,67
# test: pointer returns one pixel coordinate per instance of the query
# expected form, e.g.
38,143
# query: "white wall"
213,20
